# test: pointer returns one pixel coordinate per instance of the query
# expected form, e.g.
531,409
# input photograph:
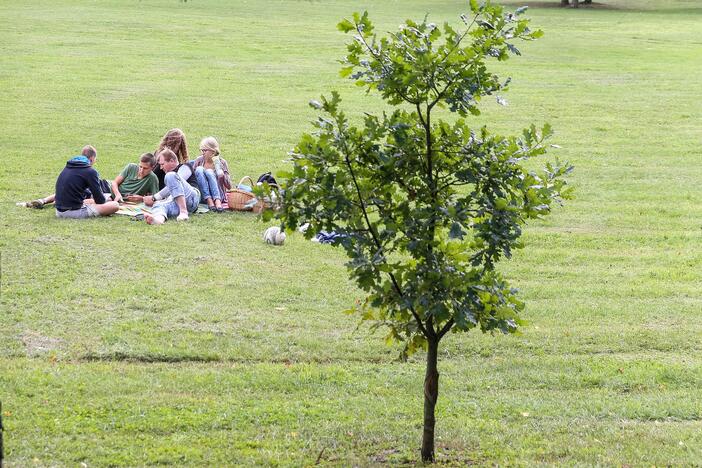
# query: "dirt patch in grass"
444,456
37,344
48,239
385,456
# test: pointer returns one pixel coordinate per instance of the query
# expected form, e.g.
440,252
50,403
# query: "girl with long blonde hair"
212,174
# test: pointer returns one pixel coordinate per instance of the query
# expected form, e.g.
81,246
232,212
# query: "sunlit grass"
199,344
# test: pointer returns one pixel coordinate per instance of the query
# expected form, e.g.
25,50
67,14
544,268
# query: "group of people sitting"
167,181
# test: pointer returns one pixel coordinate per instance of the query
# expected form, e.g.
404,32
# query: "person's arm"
224,179
153,186
164,193
94,186
115,188
185,172
150,200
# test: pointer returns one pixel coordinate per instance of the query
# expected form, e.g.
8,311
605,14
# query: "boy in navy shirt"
71,185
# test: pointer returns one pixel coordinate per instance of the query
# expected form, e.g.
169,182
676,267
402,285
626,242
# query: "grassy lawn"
198,344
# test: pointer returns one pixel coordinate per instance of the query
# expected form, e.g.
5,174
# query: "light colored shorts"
87,211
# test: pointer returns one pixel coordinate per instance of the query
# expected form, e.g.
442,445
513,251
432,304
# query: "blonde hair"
174,140
210,143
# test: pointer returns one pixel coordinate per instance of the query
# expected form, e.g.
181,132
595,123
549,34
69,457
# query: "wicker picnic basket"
238,198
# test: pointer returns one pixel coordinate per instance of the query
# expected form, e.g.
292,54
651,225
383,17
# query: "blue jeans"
207,181
177,187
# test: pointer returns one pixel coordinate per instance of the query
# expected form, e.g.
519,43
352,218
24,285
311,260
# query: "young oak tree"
425,208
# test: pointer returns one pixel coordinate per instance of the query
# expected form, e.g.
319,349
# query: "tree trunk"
575,3
564,2
2,450
431,394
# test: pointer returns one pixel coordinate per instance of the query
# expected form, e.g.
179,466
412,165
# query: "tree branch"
382,64
432,184
430,327
460,39
446,328
421,116
440,95
373,233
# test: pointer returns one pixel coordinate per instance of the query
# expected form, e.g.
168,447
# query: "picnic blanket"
137,210
133,209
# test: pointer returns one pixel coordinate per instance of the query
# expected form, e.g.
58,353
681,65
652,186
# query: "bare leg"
40,202
107,208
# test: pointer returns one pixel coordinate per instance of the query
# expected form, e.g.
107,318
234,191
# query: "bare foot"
39,204
182,217
153,219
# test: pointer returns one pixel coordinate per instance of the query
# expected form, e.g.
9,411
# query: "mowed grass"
197,344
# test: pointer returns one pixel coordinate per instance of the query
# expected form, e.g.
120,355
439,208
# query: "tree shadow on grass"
149,357
176,357
556,4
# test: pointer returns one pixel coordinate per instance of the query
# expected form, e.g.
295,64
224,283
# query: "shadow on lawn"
556,4
149,357
155,358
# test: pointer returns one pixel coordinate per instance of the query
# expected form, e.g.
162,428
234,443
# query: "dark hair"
148,158
88,151
168,155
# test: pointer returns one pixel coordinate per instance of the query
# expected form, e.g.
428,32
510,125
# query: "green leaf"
456,231
345,26
282,174
267,214
546,130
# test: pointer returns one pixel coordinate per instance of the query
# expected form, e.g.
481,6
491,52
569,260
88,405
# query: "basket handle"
251,182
